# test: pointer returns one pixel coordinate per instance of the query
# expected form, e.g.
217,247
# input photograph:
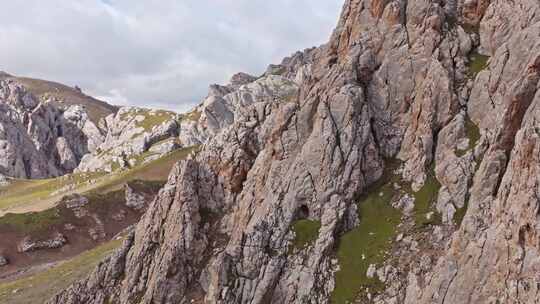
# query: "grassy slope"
477,63
37,195
97,109
425,199
22,192
45,284
371,242
306,231
473,134
151,119
366,244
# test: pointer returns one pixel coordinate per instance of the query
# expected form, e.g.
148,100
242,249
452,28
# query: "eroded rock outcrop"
3,261
129,134
169,252
39,139
29,244
397,79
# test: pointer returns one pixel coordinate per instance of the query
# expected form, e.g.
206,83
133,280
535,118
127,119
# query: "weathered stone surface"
39,139
135,200
307,138
240,79
220,111
76,203
28,244
128,134
160,262
3,261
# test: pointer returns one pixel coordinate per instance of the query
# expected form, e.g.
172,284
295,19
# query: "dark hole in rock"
302,212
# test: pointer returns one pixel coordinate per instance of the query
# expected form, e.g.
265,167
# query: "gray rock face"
135,200
39,139
220,111
3,261
240,79
133,266
129,133
307,138
28,244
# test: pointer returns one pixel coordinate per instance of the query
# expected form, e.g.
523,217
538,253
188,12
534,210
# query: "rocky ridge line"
393,81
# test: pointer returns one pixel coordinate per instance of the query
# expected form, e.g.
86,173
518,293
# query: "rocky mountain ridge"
396,164
39,139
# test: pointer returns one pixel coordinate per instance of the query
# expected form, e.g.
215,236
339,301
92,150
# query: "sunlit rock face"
414,130
39,139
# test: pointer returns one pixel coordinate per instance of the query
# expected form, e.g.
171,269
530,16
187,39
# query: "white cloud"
156,52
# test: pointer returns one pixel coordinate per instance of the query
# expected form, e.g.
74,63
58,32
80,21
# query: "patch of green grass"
43,285
192,116
151,118
157,170
31,222
155,119
424,200
366,244
473,134
306,232
477,63
100,200
43,89
21,192
471,28
139,159
146,186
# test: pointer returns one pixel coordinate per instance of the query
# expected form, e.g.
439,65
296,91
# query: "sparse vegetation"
150,118
31,222
368,243
139,159
477,63
43,285
27,193
424,199
155,118
371,241
306,232
194,115
46,89
473,134
471,28
22,192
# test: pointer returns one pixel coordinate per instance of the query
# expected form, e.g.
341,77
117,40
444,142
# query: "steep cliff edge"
271,209
39,139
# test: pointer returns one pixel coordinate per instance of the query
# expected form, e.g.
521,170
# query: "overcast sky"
156,53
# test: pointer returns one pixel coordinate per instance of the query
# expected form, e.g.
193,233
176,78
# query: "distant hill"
97,109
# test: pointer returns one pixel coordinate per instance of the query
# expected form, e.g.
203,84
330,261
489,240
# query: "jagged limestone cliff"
271,209
39,139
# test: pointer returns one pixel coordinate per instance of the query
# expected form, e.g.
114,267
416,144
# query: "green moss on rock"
194,115
306,232
31,222
473,134
424,201
367,244
477,63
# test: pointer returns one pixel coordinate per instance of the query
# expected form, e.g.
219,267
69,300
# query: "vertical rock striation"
303,141
39,140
